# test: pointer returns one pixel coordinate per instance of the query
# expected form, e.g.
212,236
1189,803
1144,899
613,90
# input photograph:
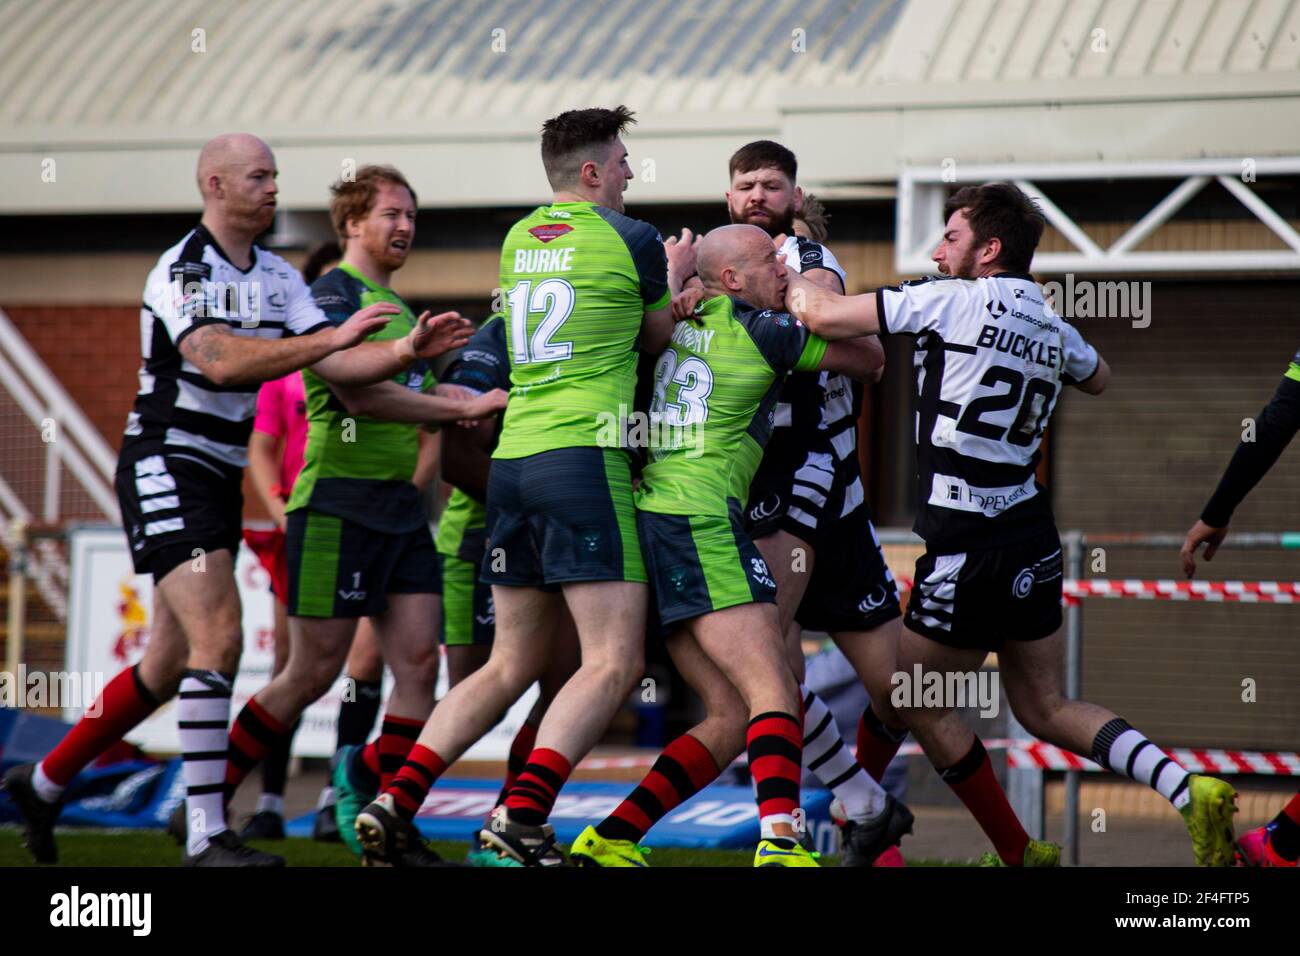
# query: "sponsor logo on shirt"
549,231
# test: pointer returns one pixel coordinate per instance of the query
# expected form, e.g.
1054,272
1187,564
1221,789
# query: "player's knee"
619,673
420,667
1036,715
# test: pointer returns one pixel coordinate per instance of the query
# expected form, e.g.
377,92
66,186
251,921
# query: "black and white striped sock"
1124,750
833,763
203,718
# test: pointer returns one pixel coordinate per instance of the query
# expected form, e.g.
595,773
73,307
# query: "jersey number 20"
1031,417
555,297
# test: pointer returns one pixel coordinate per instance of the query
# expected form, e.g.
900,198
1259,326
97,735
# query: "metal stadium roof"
121,92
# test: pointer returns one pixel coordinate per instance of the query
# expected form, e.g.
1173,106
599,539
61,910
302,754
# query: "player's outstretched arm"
1275,426
390,402
228,359
829,315
371,362
862,358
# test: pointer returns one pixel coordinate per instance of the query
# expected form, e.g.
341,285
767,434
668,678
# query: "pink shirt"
282,413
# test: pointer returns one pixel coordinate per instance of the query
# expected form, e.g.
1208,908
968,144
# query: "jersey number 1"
555,297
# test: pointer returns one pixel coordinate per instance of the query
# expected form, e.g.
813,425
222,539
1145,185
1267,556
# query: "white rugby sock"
1124,750
270,803
203,719
833,763
45,788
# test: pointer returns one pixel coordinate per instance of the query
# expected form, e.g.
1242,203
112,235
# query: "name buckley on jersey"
1021,346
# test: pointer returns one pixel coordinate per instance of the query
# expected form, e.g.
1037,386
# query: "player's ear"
992,250
798,200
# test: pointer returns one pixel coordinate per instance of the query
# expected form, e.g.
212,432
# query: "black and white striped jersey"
815,422
991,359
177,409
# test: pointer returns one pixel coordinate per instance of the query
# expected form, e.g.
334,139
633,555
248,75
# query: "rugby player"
808,516
357,537
468,615
715,389
991,359
1277,843
275,458
220,316
585,287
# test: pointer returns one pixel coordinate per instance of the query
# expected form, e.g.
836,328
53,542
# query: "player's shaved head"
731,247
740,260
228,153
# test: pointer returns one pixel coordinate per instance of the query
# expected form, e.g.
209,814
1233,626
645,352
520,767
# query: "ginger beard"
388,230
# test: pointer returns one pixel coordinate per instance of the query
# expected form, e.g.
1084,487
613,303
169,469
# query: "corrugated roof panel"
21,42
996,40
821,29
271,64
1070,39
185,83
1258,32
1176,45
960,41
1101,50
1142,38
1037,30
911,48
52,48
1284,54
1218,36
869,45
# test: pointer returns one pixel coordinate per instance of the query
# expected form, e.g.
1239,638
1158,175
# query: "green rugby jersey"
484,364
577,279
715,388
356,467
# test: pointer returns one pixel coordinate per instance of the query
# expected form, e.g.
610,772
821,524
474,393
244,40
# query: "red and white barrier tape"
1036,755
1274,592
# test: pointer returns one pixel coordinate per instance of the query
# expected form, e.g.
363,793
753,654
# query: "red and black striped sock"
973,780
368,756
877,744
397,735
682,770
252,736
124,702
1284,831
531,798
520,748
412,781
775,744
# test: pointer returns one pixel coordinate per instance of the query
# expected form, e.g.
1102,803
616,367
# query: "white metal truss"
922,190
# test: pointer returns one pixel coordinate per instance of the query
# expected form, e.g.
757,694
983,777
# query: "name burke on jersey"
544,260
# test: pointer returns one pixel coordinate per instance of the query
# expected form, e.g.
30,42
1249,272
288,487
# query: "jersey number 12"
555,297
